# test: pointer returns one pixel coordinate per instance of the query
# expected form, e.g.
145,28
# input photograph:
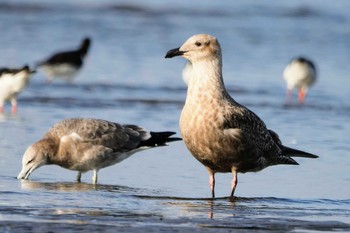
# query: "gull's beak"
26,171
174,52
24,174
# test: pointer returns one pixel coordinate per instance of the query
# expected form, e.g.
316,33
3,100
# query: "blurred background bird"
12,82
65,65
299,74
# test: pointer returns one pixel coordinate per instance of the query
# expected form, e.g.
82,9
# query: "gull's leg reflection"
211,208
232,201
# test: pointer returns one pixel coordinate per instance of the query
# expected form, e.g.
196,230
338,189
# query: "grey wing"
136,135
97,132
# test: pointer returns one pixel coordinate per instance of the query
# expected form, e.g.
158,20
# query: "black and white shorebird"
299,74
12,82
65,65
219,132
84,144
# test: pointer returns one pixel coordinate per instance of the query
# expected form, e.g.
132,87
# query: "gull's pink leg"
233,182
212,182
94,178
14,106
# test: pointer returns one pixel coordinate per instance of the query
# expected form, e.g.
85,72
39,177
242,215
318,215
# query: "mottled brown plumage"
219,132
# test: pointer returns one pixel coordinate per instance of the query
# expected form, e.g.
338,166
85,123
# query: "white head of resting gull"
300,73
219,132
65,65
12,82
83,144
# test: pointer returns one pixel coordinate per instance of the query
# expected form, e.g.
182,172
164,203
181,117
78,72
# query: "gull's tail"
290,152
159,139
297,153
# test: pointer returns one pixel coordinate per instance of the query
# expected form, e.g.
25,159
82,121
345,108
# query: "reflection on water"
9,116
83,206
74,187
59,187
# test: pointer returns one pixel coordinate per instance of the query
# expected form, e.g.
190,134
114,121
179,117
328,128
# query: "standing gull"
89,144
12,82
219,132
66,64
300,73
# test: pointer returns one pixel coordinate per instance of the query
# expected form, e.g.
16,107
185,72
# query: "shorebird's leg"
289,95
94,177
234,181
212,182
14,105
49,79
79,177
301,96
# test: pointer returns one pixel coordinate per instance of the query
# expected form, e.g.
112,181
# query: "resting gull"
12,82
300,73
65,65
83,144
219,132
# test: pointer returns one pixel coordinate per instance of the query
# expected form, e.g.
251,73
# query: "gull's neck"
206,81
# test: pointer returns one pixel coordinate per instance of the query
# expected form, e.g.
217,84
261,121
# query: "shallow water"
127,79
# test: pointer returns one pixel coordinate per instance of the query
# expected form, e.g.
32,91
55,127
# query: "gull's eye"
30,161
198,44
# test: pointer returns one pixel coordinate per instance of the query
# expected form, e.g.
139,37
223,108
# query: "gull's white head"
197,48
36,156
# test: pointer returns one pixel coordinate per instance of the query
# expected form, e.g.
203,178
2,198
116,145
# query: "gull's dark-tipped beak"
174,52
